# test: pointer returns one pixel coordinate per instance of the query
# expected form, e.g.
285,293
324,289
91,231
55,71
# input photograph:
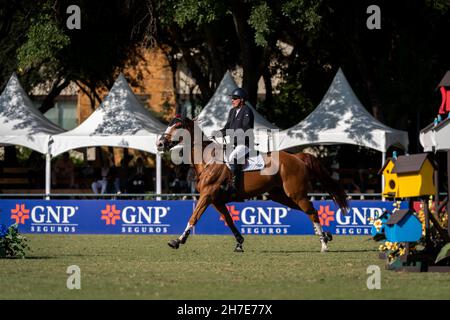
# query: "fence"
171,216
167,196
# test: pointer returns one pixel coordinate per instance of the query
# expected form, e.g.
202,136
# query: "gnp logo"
325,215
260,220
356,221
46,219
136,219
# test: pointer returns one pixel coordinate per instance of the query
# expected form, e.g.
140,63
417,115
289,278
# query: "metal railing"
163,196
174,196
142,196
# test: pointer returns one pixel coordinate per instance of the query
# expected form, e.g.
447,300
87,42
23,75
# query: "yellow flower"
388,245
401,251
377,224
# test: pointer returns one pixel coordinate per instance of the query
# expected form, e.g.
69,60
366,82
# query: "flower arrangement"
12,243
393,250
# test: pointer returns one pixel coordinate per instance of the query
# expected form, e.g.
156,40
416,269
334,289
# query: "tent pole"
383,160
158,175
48,162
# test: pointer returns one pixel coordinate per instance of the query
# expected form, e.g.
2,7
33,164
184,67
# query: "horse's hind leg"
222,208
307,207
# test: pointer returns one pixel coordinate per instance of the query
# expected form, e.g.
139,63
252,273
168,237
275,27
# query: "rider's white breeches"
238,153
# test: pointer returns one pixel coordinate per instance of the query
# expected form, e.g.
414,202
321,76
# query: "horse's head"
166,142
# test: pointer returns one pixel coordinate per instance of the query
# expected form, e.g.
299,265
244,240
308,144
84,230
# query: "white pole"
48,162
158,175
383,160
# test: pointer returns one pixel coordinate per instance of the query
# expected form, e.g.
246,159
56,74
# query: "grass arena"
224,150
272,267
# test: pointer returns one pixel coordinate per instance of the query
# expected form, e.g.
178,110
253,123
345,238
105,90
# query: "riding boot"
236,178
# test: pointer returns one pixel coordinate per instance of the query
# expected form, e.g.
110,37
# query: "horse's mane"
210,169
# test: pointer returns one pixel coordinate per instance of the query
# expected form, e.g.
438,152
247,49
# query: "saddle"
254,163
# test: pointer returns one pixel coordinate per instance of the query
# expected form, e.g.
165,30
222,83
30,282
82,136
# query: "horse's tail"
321,173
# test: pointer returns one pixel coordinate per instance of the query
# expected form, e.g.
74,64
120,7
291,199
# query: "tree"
40,47
213,36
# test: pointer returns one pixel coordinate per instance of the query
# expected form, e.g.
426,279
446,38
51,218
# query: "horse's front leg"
203,203
222,208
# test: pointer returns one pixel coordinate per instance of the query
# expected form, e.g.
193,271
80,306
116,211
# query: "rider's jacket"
243,120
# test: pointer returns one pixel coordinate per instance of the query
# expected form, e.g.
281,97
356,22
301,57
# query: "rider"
240,117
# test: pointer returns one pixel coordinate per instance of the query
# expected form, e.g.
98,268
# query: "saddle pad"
253,163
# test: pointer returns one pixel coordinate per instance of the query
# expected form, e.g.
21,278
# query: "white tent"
215,114
427,138
21,123
436,137
340,118
119,121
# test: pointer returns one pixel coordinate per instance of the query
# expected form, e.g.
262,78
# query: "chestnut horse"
288,186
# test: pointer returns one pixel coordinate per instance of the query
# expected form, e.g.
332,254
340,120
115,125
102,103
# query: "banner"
271,218
97,216
171,217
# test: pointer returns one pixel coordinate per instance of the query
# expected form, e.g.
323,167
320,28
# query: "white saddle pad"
253,163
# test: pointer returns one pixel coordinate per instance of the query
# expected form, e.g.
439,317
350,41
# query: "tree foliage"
302,43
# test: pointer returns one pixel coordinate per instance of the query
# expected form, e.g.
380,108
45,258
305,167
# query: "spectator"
64,173
335,169
123,175
112,181
191,179
109,182
176,185
36,165
138,182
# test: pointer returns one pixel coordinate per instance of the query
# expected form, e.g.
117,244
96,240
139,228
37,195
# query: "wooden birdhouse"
403,226
444,87
390,179
414,176
377,231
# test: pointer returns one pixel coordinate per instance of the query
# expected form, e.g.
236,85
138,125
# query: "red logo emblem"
234,214
20,214
110,214
325,215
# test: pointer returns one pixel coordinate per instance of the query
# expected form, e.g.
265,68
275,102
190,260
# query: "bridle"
166,138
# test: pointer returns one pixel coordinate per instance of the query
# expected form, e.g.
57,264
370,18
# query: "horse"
287,186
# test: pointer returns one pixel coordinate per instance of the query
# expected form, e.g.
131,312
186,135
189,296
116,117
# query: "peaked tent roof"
445,82
119,121
21,123
435,137
215,114
341,118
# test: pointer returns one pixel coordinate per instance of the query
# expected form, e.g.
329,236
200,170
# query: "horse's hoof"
184,239
328,236
238,248
174,244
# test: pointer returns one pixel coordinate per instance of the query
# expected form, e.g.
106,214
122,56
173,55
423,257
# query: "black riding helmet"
239,92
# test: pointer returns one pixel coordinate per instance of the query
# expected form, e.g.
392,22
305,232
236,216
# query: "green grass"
144,267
